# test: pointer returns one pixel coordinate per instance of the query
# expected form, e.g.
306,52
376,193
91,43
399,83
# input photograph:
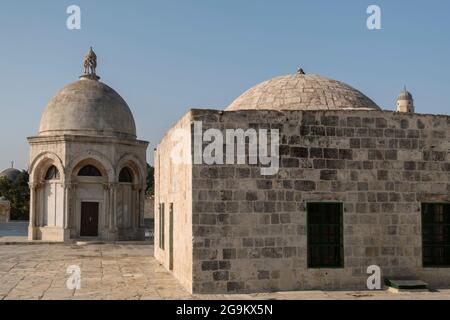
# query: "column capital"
34,185
70,185
110,185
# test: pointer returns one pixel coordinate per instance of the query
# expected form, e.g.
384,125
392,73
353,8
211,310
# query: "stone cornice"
36,140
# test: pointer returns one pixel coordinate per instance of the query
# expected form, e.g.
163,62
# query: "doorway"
89,219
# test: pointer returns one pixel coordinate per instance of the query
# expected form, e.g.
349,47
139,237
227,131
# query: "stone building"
356,186
5,207
87,169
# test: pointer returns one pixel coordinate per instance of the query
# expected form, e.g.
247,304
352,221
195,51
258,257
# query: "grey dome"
302,92
11,174
88,107
405,95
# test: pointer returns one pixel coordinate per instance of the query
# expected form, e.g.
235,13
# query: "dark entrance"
171,237
89,219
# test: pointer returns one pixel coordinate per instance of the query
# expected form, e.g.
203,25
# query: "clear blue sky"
166,56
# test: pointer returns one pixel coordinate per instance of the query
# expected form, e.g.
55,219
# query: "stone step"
406,285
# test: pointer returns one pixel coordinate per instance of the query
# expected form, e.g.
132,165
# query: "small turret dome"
405,95
405,102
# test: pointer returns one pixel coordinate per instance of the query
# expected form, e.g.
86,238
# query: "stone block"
304,185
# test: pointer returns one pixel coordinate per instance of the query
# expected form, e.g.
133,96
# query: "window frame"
127,174
309,245
422,219
52,174
97,172
161,226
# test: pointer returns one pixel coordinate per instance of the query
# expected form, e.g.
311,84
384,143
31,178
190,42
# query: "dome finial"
90,66
300,71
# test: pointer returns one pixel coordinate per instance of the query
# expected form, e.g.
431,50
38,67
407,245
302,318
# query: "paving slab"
117,271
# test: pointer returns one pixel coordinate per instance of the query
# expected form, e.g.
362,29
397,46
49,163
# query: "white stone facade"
55,208
232,229
87,169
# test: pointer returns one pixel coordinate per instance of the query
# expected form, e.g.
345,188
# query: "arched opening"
89,171
126,176
127,195
52,174
47,178
53,198
90,200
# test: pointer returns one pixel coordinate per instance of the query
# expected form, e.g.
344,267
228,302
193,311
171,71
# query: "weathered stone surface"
87,124
304,92
380,165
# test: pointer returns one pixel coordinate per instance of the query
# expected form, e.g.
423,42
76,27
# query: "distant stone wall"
249,231
149,207
4,211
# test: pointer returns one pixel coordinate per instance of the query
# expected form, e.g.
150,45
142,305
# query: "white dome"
302,92
88,107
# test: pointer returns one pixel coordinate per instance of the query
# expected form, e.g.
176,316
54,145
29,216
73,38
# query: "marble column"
66,206
113,207
107,205
73,209
32,225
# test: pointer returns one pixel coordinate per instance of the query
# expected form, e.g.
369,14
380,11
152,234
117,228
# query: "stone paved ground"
122,271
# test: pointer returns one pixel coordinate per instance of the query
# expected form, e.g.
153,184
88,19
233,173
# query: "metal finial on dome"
405,94
90,66
300,71
12,164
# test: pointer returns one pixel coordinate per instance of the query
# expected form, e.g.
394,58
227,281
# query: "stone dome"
405,95
11,174
302,92
88,107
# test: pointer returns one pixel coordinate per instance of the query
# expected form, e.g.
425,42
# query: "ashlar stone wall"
55,206
249,231
173,185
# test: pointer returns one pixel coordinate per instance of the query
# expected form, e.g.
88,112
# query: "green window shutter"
325,235
436,234
161,226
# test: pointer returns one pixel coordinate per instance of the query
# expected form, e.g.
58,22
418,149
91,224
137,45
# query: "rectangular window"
436,234
325,236
161,226
171,236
